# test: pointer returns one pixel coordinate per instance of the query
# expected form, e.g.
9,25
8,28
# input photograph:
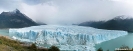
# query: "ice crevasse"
65,37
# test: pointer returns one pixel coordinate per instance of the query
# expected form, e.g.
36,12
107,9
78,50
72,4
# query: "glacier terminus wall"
76,38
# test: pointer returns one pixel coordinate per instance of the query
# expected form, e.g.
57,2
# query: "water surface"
4,32
116,43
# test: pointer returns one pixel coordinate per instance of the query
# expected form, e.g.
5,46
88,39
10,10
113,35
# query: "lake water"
116,43
4,32
111,44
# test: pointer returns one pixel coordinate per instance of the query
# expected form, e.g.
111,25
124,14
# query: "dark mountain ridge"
15,19
118,23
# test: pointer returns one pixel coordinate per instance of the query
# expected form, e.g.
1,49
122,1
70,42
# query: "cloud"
40,12
34,2
69,11
9,4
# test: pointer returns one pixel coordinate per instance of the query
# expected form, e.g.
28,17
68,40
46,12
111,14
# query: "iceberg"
77,38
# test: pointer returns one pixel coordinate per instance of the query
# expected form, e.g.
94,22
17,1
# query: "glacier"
76,38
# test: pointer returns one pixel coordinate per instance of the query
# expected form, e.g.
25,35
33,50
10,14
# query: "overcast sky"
69,11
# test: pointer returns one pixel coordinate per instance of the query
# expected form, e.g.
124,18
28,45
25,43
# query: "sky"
69,11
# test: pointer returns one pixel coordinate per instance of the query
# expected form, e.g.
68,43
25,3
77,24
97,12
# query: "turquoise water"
4,32
116,43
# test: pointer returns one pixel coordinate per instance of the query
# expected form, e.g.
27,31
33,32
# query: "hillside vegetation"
7,44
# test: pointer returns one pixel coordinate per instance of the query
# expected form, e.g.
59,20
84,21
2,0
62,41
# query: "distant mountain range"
15,19
118,23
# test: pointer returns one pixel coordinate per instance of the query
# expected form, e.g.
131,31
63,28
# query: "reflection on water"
116,43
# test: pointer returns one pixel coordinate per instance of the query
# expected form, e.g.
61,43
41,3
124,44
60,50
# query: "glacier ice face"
66,37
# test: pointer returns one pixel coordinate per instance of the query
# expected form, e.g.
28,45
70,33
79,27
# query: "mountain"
118,23
15,19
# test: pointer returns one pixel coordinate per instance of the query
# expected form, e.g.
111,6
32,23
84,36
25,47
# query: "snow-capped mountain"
15,19
118,23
